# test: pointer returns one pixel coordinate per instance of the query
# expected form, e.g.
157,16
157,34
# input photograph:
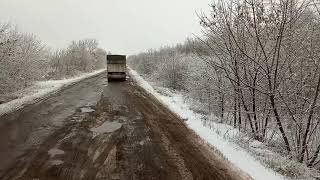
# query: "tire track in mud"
193,154
82,156
152,143
28,127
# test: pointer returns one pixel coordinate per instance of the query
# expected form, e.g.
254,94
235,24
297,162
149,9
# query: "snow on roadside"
40,90
235,154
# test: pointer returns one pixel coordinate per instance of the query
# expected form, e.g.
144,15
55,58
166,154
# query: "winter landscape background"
256,68
252,77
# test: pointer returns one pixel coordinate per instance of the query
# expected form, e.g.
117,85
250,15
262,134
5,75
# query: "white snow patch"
40,90
256,144
235,154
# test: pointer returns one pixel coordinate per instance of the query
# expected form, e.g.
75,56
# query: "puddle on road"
54,151
86,110
56,162
106,127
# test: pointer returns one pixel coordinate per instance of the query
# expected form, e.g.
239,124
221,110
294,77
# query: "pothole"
56,162
106,127
86,110
54,151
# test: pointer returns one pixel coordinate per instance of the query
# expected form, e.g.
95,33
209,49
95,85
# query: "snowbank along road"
95,130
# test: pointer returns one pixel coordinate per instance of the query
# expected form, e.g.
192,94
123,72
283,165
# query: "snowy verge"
231,151
41,90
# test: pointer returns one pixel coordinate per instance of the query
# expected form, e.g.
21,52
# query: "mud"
129,135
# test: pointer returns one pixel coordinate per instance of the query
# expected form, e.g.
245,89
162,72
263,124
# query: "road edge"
47,95
212,151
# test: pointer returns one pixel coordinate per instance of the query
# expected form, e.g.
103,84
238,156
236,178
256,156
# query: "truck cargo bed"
116,67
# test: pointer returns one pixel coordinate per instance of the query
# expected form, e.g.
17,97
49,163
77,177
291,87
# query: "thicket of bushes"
257,68
24,59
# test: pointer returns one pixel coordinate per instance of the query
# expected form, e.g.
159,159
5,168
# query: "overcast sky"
121,26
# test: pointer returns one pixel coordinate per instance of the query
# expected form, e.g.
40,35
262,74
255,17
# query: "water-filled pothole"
106,127
86,110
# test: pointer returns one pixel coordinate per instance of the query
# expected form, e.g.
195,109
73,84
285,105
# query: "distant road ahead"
129,135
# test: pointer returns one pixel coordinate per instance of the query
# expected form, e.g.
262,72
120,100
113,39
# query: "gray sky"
121,26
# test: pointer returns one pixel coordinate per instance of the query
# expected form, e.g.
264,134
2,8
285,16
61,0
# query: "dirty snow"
235,154
40,90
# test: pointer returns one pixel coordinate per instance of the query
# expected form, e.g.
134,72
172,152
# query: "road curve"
129,135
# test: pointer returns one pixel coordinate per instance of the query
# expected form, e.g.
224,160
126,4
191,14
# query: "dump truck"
116,67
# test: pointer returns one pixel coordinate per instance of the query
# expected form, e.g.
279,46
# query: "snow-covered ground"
234,153
41,90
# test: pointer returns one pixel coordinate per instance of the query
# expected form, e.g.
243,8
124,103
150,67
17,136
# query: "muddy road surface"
100,130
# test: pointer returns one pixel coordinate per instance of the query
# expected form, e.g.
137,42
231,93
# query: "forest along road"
95,130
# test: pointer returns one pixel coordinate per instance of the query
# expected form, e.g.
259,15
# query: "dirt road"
97,131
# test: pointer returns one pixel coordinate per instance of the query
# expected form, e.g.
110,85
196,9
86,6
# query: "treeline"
257,68
24,59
